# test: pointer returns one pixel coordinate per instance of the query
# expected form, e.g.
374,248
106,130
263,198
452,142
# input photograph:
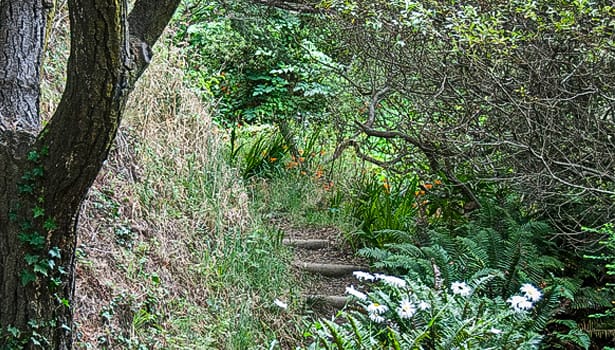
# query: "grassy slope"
171,255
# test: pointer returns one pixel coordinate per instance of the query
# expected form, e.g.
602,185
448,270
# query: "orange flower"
303,173
419,193
428,186
301,159
319,173
387,186
438,182
272,159
328,185
291,165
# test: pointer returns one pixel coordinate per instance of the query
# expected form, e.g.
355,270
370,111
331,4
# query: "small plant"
384,207
264,155
401,314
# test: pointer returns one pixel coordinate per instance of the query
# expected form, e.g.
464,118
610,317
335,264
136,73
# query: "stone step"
311,244
330,270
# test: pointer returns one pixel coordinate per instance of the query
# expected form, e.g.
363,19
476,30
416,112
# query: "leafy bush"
260,64
514,93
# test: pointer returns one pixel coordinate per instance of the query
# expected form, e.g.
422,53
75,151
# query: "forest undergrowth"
178,247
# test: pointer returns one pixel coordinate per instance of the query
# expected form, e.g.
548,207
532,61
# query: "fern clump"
399,313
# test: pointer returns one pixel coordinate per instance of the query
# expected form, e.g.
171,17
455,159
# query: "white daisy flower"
376,308
519,303
355,293
495,330
363,276
279,303
406,309
391,280
461,288
531,292
423,305
376,318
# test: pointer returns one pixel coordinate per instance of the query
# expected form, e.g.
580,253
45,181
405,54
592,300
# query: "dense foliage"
482,139
513,93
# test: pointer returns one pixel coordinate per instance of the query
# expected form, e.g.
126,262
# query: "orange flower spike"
422,193
387,187
437,182
428,186
301,159
417,193
272,159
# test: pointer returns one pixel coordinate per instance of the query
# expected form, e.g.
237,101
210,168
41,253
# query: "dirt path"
324,262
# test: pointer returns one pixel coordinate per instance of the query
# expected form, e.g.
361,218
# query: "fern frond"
599,328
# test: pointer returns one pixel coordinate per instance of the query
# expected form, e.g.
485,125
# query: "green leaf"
27,277
38,212
42,269
50,225
32,259
35,240
33,156
55,281
26,189
55,253
38,171
14,331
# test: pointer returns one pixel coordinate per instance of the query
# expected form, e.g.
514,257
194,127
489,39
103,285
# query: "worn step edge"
336,301
330,270
312,244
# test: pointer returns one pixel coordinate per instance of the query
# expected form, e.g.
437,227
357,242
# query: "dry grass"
166,188
170,254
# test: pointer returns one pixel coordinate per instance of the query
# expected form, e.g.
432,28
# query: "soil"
336,251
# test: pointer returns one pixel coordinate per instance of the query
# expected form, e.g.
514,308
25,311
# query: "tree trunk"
45,175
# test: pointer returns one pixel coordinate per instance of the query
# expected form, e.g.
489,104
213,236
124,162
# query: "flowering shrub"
395,313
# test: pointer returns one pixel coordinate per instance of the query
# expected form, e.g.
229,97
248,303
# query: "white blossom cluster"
407,307
410,304
525,301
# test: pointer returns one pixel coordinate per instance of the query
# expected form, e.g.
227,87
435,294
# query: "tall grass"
171,255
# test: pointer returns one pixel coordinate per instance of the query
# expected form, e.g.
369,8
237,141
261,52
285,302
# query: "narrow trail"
325,263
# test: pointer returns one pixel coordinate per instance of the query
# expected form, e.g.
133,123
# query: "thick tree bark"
45,175
22,31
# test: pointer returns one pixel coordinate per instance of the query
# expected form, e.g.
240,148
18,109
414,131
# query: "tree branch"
293,6
146,22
